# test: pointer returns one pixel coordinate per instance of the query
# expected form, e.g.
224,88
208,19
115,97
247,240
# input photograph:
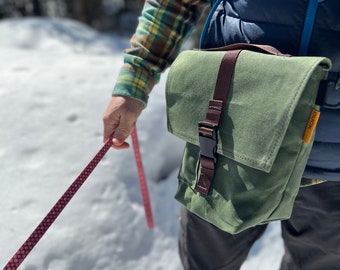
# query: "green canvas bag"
244,155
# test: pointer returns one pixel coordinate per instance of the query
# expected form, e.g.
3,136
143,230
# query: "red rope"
52,215
142,180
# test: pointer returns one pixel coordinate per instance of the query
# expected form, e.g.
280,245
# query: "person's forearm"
162,29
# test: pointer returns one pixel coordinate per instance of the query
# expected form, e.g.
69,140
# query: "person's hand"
120,118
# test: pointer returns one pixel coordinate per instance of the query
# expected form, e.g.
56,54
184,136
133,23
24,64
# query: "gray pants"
311,236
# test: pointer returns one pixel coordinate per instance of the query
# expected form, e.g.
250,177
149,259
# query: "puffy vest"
275,22
280,23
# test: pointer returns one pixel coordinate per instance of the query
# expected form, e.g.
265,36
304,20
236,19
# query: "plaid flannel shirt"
162,29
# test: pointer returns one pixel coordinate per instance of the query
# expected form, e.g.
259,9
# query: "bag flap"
264,93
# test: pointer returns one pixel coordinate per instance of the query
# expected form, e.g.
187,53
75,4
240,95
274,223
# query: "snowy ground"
55,81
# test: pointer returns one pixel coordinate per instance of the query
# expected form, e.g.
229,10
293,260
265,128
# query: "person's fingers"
119,119
123,130
112,115
124,145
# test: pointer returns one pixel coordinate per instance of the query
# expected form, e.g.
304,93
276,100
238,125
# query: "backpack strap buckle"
330,91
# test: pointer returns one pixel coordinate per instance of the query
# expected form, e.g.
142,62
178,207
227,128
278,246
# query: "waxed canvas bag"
247,114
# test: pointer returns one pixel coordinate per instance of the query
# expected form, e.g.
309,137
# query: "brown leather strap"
208,128
251,47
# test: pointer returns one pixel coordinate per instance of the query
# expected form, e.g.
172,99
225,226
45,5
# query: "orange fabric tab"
313,120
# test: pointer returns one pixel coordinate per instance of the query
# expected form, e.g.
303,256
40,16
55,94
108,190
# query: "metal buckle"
208,143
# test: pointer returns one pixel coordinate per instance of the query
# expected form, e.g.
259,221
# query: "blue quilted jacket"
280,23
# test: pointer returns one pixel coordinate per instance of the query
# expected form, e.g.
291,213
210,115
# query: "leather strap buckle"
208,157
207,135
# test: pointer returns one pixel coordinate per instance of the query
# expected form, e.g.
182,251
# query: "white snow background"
56,78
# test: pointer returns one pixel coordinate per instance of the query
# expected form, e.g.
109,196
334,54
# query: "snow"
56,78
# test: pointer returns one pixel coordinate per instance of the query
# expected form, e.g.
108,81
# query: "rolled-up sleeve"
163,27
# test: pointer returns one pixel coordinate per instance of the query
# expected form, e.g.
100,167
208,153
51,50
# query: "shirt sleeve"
162,29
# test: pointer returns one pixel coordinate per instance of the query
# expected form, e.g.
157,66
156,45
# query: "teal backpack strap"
308,26
333,81
206,25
